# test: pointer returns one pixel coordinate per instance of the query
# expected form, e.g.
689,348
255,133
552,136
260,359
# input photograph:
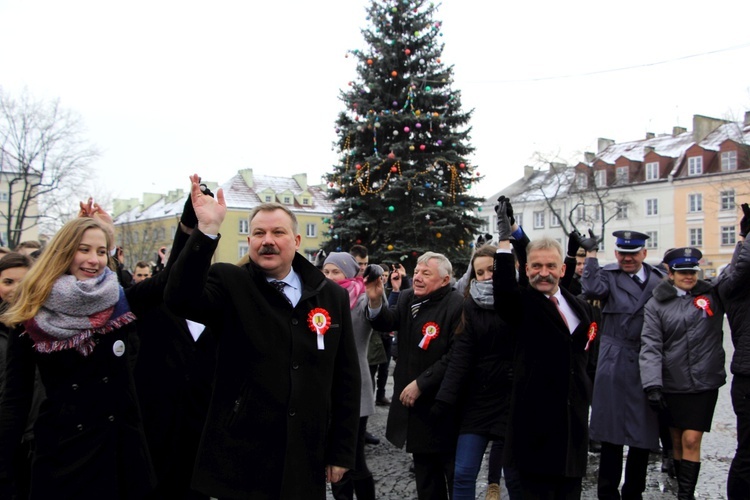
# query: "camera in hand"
372,273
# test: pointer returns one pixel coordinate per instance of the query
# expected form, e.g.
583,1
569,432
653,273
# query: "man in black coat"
548,430
284,412
426,316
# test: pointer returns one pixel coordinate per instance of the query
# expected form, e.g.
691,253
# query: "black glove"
574,243
508,208
656,399
372,272
188,218
589,244
483,239
504,230
745,222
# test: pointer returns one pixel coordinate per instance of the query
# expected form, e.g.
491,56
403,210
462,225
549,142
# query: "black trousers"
543,487
610,471
738,482
434,475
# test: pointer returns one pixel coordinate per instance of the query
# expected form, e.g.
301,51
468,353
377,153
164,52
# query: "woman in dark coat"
682,358
75,323
478,381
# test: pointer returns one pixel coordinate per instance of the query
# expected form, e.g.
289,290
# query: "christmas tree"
402,186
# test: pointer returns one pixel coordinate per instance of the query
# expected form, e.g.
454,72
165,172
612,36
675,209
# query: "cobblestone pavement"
393,481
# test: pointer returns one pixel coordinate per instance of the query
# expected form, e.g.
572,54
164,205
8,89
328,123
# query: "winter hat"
343,261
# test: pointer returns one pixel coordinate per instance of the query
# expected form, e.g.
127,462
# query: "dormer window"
600,178
287,200
729,161
695,165
621,175
652,171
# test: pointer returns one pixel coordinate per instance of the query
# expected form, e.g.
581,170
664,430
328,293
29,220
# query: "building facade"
682,189
143,227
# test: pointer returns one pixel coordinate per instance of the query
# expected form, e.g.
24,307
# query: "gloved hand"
589,244
508,208
574,243
745,222
483,239
504,230
656,399
188,218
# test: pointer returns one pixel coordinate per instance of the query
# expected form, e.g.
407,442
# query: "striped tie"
415,308
279,285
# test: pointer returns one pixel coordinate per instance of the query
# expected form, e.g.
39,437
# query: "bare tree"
43,160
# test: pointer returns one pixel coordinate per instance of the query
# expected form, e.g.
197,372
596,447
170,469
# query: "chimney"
149,199
528,171
247,176
647,150
678,131
704,125
121,205
650,135
603,144
301,180
589,157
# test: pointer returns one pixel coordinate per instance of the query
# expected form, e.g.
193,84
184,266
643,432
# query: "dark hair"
358,251
14,259
28,244
142,263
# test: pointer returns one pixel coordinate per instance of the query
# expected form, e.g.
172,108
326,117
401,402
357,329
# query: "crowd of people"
255,380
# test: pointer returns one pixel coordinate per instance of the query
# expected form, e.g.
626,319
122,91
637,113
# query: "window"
311,230
145,234
580,213
621,175
729,161
519,218
695,237
582,181
727,199
4,196
242,250
554,220
653,239
622,210
652,206
695,165
287,200
652,171
600,178
695,203
172,232
539,220
244,226
268,198
305,201
728,235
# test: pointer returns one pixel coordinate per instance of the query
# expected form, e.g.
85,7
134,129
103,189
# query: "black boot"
667,463
676,468
687,479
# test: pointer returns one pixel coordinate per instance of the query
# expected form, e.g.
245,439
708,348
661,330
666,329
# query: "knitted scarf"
355,286
481,292
76,310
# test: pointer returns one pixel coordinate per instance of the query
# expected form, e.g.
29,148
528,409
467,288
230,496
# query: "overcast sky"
168,88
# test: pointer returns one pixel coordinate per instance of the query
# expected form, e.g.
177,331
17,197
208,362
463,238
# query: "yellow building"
143,227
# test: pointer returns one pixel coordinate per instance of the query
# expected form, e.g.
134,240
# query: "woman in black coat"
478,381
73,321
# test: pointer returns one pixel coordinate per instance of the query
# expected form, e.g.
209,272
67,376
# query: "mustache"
268,250
542,279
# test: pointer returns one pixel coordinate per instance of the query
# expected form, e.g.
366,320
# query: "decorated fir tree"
402,185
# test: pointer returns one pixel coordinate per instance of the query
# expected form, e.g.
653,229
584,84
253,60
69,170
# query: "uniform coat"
89,436
620,413
281,409
547,431
681,347
413,426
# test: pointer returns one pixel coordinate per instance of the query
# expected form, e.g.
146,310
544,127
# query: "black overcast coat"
548,427
281,409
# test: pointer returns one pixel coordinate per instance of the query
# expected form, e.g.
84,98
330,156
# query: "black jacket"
548,427
736,297
281,409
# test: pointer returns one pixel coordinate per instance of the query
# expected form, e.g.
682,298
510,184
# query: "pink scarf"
355,286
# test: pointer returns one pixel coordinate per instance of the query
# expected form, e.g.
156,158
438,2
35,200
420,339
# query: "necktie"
415,308
279,285
557,305
638,280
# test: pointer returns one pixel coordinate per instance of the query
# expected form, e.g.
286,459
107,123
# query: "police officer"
620,414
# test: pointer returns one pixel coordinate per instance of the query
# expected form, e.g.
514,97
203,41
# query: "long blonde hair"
55,261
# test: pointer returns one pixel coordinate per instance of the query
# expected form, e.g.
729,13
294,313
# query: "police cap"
683,259
630,241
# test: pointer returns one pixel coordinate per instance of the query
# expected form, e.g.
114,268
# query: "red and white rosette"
702,303
319,321
593,328
430,331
